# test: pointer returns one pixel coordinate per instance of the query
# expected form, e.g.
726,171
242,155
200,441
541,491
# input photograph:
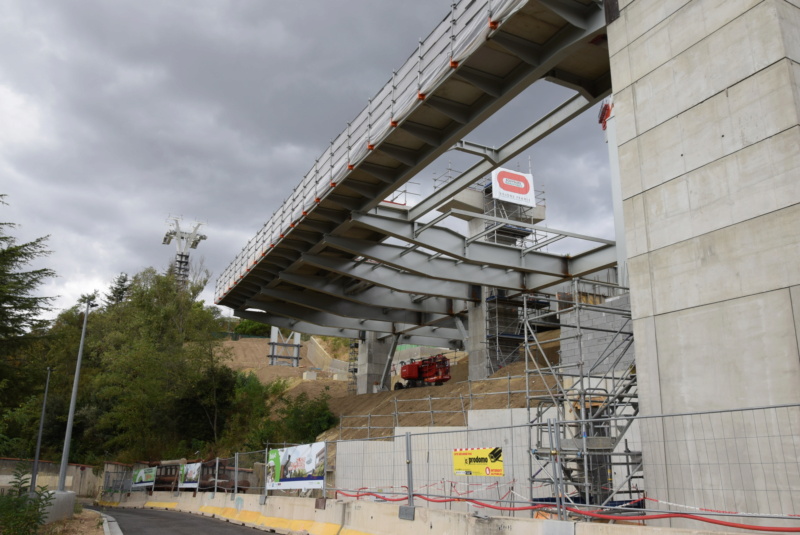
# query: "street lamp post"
62,474
35,471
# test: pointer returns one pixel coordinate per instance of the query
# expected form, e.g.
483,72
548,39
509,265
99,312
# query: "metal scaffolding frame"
352,366
578,428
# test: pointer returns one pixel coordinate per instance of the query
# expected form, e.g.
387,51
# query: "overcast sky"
119,114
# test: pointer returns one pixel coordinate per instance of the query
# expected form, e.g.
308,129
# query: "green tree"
20,326
303,418
253,420
118,290
164,380
252,328
20,309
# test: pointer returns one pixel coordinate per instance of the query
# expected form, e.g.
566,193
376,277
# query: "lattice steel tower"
184,240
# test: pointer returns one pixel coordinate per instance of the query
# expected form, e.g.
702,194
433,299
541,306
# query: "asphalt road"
151,522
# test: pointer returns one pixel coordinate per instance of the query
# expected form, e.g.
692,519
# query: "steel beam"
538,131
576,14
450,242
483,275
440,268
310,328
339,307
376,295
390,278
325,319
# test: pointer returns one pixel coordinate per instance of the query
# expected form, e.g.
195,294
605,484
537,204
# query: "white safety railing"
454,39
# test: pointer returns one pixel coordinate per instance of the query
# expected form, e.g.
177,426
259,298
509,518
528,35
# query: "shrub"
23,511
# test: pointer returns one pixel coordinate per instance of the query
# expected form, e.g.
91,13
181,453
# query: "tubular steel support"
410,471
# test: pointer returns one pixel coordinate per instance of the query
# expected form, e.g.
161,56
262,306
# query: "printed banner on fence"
478,462
144,477
189,475
297,467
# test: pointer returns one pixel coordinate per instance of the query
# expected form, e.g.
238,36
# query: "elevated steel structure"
334,260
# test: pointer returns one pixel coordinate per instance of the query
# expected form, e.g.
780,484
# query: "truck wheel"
438,383
398,385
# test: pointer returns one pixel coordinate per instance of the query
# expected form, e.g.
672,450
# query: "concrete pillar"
476,346
372,355
706,95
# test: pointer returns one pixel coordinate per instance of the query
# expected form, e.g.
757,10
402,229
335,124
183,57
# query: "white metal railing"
461,32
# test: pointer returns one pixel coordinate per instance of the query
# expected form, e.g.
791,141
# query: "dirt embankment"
252,355
377,414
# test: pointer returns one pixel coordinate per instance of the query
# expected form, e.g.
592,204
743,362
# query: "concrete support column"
372,355
707,100
476,349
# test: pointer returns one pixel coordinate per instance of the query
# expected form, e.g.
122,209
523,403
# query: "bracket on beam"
477,149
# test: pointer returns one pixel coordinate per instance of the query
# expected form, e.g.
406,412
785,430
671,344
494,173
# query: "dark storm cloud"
120,114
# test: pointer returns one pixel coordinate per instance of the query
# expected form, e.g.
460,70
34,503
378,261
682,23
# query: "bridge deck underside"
332,271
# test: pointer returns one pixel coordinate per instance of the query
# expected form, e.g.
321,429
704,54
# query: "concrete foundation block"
62,506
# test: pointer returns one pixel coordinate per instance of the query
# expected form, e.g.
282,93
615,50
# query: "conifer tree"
20,308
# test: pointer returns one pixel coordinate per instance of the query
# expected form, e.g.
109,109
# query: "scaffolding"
579,436
284,348
352,367
504,319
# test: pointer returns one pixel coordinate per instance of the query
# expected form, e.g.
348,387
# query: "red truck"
424,372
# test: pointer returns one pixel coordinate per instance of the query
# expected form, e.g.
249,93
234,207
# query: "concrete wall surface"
337,517
80,478
707,100
320,358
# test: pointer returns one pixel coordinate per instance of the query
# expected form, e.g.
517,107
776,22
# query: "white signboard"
296,467
145,477
512,186
189,475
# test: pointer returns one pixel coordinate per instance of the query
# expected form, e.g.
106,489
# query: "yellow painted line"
323,528
274,522
163,505
107,504
210,509
312,527
348,531
250,517
227,512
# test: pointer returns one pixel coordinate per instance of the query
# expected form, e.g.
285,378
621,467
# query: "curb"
110,526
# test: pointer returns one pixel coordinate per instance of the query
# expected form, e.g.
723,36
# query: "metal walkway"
325,264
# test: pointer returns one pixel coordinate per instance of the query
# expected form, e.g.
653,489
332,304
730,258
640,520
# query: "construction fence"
736,468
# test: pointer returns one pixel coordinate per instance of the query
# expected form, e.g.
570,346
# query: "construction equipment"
428,371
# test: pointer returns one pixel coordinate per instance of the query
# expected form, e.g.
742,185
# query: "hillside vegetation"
155,382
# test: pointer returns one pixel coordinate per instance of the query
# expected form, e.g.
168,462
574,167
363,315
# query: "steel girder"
325,319
317,330
496,157
388,277
449,242
385,297
463,270
341,307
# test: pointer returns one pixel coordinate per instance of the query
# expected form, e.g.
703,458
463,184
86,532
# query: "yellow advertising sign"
478,462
